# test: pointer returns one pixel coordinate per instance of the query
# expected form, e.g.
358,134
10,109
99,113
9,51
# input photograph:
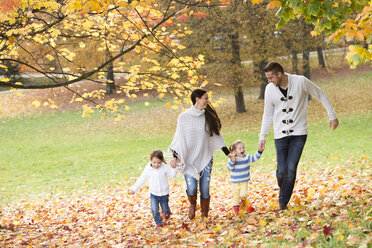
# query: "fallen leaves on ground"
331,203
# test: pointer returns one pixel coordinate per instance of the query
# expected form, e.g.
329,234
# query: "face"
276,79
240,150
201,103
156,163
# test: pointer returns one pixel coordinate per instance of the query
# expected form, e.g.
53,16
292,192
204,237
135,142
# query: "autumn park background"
89,88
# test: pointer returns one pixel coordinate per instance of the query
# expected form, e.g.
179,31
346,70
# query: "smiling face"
240,150
156,163
202,103
276,79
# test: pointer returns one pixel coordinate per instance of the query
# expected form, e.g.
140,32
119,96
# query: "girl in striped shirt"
240,173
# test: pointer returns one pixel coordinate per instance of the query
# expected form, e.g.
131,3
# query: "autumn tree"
351,19
51,35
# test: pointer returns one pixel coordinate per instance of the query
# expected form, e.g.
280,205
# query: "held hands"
131,192
173,162
333,124
232,157
261,145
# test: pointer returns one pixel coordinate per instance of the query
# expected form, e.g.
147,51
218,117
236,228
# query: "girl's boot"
236,210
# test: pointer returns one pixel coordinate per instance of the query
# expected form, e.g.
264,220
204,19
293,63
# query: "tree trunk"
294,61
260,74
306,66
236,74
306,63
110,83
321,57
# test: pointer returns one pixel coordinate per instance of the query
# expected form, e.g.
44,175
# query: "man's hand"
261,145
333,124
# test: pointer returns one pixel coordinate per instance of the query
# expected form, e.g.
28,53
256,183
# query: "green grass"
59,153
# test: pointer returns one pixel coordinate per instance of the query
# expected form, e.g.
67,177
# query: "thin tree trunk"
321,57
294,61
306,66
110,84
236,65
259,72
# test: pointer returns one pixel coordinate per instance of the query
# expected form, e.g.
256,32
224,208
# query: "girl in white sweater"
157,173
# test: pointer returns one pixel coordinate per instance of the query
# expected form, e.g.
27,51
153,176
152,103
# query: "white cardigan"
289,116
192,142
158,179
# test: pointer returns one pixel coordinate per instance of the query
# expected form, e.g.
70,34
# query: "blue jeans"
164,204
288,154
204,181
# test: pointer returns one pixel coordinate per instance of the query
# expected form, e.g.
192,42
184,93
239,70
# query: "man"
286,98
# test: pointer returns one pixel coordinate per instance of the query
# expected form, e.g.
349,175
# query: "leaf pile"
331,205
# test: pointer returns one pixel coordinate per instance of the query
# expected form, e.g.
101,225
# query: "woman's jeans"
204,181
288,154
164,204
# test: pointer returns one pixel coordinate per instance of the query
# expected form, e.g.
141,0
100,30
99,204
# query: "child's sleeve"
171,172
140,181
230,165
253,158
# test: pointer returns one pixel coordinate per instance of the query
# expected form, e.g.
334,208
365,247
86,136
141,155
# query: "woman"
197,137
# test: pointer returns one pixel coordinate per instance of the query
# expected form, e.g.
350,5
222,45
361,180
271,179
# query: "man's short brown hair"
274,67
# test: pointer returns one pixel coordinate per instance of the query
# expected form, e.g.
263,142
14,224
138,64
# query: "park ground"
65,178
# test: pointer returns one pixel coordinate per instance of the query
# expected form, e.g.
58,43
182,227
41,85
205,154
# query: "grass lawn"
59,152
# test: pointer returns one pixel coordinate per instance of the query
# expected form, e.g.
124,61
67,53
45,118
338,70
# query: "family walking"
198,135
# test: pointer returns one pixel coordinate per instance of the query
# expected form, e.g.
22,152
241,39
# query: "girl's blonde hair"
157,154
233,146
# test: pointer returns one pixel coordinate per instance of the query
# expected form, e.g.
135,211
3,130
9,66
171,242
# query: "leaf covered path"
331,206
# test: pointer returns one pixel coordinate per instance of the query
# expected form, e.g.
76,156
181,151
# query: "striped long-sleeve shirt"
240,170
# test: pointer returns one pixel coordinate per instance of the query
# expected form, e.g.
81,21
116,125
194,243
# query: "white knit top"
289,114
192,142
158,179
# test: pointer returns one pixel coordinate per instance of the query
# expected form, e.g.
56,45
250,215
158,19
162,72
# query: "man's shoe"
282,206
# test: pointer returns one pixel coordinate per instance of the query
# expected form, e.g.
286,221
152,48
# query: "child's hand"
232,157
131,192
261,149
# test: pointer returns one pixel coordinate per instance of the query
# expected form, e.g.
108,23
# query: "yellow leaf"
232,232
19,93
257,1
134,4
167,104
36,103
263,223
161,95
314,235
147,103
317,220
272,4
340,238
79,99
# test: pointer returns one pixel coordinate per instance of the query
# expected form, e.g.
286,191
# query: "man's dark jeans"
288,154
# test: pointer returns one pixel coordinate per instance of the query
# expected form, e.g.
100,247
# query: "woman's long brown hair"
212,121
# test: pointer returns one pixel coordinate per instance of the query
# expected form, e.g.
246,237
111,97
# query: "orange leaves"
8,5
273,5
317,212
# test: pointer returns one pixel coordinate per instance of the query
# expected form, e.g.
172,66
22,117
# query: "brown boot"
192,208
204,205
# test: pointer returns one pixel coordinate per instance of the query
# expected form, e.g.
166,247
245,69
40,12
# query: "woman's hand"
173,162
131,192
